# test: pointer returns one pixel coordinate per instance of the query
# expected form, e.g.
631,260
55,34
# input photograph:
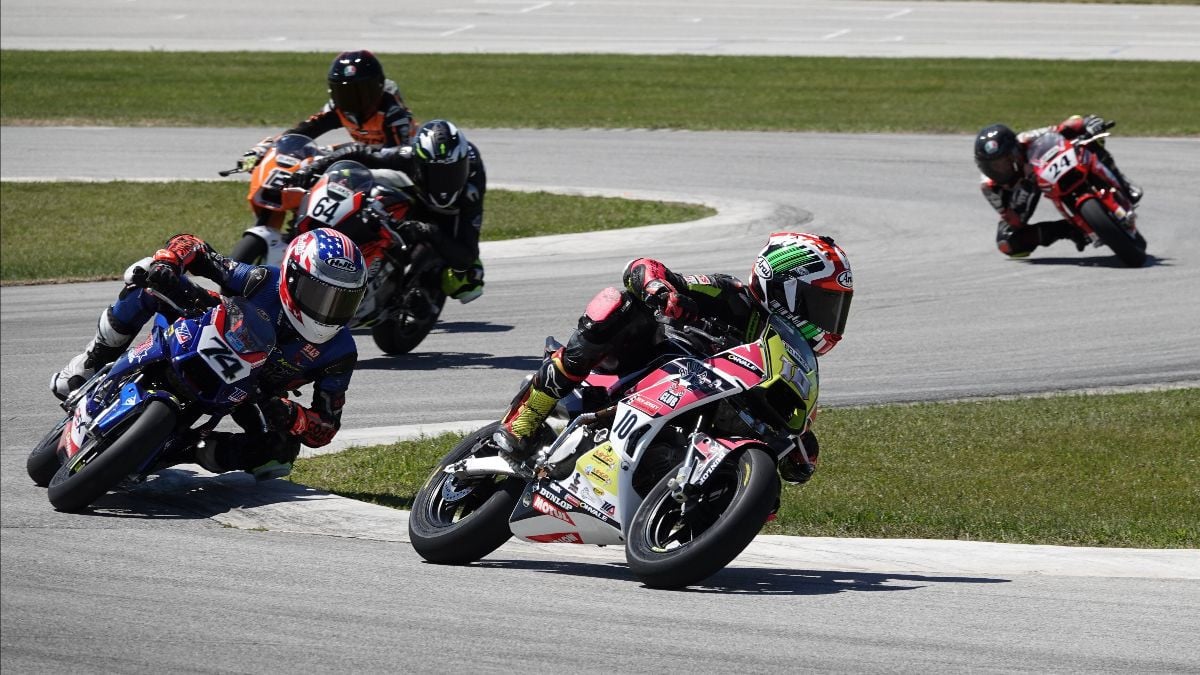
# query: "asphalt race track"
196,573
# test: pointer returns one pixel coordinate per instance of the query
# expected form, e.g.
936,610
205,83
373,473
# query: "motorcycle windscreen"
295,145
246,330
322,302
1045,147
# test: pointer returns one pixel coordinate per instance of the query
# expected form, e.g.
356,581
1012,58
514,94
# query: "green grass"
684,92
61,231
1112,470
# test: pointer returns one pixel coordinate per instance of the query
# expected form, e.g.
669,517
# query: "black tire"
251,249
1129,248
474,523
402,334
43,461
668,549
73,491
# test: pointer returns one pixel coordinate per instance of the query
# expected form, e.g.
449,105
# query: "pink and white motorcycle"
676,460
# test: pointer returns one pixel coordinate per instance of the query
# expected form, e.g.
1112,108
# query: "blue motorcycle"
137,414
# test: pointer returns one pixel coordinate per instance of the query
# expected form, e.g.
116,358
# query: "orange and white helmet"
806,278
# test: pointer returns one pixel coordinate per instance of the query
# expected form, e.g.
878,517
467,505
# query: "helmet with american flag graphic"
323,281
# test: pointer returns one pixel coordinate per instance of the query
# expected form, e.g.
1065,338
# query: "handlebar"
717,333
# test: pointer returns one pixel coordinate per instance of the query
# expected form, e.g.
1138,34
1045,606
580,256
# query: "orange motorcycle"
264,242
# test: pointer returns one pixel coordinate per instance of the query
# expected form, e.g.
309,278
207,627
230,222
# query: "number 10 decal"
625,424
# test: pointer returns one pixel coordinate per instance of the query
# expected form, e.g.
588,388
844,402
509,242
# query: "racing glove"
1094,125
254,155
675,305
294,419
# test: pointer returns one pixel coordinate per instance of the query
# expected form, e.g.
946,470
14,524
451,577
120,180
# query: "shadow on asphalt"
755,580
1110,261
180,493
441,360
457,327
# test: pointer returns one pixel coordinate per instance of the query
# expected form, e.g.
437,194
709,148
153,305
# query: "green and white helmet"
806,278
443,161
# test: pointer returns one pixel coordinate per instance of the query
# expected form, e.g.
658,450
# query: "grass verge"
682,92
1087,470
111,225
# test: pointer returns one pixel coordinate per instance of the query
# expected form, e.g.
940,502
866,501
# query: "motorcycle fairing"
276,244
549,512
1062,168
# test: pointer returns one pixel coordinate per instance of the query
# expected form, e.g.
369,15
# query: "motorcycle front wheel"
43,461
402,334
673,544
456,522
251,249
76,485
1129,248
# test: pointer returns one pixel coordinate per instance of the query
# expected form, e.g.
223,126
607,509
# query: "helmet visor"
822,308
1000,169
357,99
324,303
826,310
443,181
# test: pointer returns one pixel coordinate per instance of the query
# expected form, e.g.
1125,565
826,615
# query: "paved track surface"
176,576
714,27
938,314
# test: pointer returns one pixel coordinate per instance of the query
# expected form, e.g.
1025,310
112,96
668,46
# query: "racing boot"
797,466
262,455
1052,231
1134,191
463,285
112,338
532,405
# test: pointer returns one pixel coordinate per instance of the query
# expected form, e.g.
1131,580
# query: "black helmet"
356,84
998,154
443,161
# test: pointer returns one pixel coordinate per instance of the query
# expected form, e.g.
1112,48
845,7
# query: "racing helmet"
998,154
356,84
323,279
443,158
804,278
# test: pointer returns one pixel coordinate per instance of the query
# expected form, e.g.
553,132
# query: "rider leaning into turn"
803,277
1011,188
309,301
361,100
447,212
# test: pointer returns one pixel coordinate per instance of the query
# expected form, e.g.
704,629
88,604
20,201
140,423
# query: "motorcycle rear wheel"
668,548
43,460
453,524
402,334
250,249
73,491
1129,248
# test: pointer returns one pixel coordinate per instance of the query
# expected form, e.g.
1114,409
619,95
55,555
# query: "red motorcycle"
1087,193
264,242
404,291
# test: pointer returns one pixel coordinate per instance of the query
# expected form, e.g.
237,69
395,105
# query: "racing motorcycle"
136,415
264,242
404,295
676,461
1087,194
